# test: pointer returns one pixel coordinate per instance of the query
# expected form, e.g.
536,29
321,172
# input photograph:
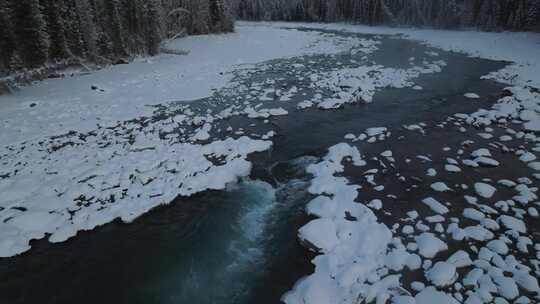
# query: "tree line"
56,33
37,33
482,14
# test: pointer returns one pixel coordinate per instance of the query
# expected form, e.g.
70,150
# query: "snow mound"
354,245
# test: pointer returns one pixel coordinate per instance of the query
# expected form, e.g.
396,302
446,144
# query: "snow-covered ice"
484,190
355,252
435,205
80,187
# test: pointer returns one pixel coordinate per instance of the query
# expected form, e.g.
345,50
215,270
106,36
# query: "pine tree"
220,18
200,10
448,18
533,14
30,29
74,39
119,46
153,26
486,14
86,28
7,40
58,48
135,23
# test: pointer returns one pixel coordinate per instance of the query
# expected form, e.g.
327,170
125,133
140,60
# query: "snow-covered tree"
31,32
484,14
153,17
34,32
86,28
7,40
220,16
58,48
117,31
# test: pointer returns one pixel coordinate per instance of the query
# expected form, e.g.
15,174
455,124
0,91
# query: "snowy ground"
73,158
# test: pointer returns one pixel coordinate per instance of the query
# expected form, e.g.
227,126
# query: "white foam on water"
247,247
224,271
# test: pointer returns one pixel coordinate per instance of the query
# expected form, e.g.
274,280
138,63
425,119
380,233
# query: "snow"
527,157
440,187
321,233
403,300
321,206
498,246
429,245
442,274
535,166
376,204
526,281
478,233
512,223
472,277
264,113
354,253
94,185
472,95
435,205
360,84
305,104
69,104
473,214
460,259
484,190
375,131
452,168
431,172
431,296
486,161
481,152
507,287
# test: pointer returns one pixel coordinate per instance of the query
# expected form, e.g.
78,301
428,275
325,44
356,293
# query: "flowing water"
238,245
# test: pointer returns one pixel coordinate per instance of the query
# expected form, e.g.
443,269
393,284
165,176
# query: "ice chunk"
484,190
429,245
430,295
440,187
460,259
452,168
435,205
320,233
442,274
512,223
471,95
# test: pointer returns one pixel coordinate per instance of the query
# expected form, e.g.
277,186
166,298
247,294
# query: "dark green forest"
489,15
37,33
51,34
